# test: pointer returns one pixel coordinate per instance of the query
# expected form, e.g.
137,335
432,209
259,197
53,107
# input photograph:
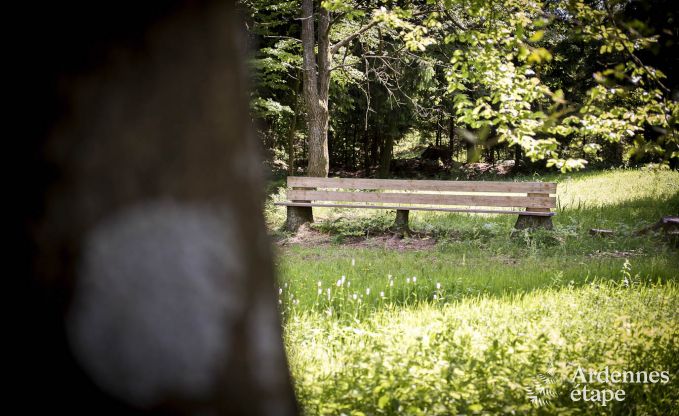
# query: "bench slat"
429,199
422,185
409,208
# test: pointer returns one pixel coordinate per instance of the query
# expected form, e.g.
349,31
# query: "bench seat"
417,208
532,201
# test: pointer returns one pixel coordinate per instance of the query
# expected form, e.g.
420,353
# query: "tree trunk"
518,155
490,154
143,250
319,162
293,130
291,145
375,148
316,86
353,149
366,152
451,134
438,130
385,157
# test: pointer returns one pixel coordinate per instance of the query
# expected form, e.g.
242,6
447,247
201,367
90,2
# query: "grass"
479,354
467,326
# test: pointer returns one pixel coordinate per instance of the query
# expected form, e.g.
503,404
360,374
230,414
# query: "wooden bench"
531,201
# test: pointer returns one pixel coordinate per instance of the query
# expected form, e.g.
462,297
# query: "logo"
601,387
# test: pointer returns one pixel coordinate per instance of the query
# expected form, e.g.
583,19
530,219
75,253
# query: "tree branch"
334,48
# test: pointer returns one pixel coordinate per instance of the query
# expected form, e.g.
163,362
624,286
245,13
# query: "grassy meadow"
479,322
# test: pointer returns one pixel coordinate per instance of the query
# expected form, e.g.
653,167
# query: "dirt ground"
308,237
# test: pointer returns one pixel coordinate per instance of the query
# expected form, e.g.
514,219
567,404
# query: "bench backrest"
532,195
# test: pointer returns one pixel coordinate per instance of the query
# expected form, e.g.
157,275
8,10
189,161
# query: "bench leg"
298,216
401,223
533,222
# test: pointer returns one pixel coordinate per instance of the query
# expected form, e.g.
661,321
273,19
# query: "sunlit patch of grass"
478,354
461,274
616,187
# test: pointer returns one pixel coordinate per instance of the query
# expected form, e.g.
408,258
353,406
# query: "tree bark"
293,131
316,78
143,251
291,145
451,134
316,68
375,148
366,152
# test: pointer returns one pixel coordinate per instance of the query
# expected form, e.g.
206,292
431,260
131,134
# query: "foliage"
566,82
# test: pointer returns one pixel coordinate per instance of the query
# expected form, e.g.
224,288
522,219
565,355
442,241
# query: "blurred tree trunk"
472,152
145,258
518,155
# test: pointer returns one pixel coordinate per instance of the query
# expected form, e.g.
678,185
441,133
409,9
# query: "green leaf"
537,36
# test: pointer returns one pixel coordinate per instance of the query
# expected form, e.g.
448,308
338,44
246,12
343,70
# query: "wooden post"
534,221
401,223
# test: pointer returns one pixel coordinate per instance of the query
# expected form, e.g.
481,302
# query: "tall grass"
479,355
